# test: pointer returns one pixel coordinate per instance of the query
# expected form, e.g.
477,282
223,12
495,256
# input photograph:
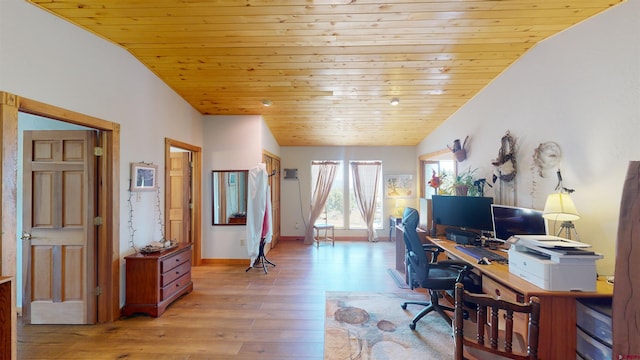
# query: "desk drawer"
174,260
497,290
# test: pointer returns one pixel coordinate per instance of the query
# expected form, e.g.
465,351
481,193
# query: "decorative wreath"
506,162
546,156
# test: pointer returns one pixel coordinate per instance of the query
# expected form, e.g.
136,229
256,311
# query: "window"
341,209
355,218
445,169
333,209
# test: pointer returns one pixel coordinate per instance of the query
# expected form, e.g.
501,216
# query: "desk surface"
500,273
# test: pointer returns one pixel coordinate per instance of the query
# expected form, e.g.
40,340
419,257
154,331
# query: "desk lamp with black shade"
560,207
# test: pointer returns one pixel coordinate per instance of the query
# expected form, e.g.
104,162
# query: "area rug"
398,278
373,326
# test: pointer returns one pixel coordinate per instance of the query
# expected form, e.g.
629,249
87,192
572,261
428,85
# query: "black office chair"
429,273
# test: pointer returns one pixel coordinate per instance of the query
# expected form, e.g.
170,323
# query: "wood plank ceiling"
329,67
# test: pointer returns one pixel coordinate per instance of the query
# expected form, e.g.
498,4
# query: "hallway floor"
232,314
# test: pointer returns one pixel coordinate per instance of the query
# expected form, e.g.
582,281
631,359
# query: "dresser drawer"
175,273
175,286
590,348
174,260
155,280
594,318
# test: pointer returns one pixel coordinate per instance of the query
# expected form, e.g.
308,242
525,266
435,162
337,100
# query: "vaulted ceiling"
329,68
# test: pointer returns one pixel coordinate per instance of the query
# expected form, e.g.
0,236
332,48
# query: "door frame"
196,189
108,175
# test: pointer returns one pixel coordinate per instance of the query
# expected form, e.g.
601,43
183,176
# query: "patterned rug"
373,326
398,278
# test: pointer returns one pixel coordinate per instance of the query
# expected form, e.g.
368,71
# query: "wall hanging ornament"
505,164
546,156
459,150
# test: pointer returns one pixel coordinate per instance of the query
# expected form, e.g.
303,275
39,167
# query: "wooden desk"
393,222
401,249
557,338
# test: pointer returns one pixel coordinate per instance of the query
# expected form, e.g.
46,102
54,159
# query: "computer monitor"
425,214
512,220
465,212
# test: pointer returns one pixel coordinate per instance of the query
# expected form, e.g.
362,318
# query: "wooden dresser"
155,280
8,319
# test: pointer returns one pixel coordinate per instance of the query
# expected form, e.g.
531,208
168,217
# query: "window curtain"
366,180
326,174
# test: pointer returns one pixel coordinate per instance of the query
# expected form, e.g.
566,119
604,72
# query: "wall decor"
505,164
546,156
458,150
143,177
399,186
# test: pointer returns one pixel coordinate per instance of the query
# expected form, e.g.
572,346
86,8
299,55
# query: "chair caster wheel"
404,306
412,326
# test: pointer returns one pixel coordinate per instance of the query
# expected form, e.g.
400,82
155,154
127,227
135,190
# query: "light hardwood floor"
233,314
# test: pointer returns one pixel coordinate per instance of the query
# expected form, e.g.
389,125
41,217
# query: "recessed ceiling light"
395,101
267,102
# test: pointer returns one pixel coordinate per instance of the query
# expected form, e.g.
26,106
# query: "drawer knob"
498,292
177,272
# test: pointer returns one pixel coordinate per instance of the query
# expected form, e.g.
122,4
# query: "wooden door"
179,225
273,164
59,235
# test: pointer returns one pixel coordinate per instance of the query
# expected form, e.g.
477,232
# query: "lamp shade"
560,207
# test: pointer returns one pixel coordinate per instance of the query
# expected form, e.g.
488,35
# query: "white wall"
269,142
47,59
295,195
230,143
581,89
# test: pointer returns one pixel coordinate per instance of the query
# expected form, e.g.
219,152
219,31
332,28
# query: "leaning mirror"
229,195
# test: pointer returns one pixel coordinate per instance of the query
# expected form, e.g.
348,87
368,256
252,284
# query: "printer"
553,263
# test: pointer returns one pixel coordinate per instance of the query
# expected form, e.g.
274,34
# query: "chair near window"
487,332
322,231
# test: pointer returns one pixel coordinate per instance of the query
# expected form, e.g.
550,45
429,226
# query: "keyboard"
479,253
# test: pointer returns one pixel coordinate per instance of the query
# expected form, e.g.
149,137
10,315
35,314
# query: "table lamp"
400,205
560,207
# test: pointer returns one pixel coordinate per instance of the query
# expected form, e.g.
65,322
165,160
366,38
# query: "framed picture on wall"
399,186
143,177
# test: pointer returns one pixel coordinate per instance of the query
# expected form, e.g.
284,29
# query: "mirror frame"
232,220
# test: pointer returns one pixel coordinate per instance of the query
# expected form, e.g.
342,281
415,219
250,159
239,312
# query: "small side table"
393,221
326,237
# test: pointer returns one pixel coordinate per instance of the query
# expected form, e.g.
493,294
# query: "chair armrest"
459,263
433,250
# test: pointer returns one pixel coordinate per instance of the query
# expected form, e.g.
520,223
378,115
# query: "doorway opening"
183,195
107,264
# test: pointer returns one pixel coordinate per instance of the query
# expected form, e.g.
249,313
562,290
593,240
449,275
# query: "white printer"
553,263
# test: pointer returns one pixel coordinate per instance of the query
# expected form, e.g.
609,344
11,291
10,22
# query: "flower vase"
462,190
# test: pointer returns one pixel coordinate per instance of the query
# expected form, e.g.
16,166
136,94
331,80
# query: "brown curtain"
366,180
320,194
222,194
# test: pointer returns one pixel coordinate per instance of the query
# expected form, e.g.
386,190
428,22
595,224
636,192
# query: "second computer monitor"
512,220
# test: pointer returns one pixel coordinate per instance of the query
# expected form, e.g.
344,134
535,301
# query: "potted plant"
463,183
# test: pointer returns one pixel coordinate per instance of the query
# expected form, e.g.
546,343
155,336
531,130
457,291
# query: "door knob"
25,236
